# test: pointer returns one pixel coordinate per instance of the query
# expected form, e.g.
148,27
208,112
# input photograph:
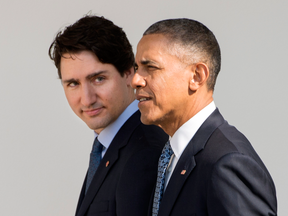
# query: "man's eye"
152,67
72,84
99,79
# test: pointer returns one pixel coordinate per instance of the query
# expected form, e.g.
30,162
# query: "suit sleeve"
136,183
239,186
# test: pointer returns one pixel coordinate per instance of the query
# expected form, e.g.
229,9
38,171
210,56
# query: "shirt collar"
185,133
107,134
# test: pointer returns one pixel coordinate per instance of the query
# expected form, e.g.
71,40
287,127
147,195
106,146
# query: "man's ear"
199,76
129,75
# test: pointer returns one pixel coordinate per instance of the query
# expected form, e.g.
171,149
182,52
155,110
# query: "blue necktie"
95,159
162,166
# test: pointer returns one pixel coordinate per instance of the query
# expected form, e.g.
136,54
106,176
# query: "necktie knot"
166,154
163,162
97,147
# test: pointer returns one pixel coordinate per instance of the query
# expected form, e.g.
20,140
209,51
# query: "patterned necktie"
95,158
162,166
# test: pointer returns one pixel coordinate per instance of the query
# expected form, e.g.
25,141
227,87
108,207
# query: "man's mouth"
93,112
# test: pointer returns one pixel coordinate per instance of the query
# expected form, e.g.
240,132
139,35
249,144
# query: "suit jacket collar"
109,159
186,162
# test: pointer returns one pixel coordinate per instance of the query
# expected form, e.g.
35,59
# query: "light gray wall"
44,147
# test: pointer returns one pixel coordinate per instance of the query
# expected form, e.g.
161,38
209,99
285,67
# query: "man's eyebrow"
69,80
87,77
146,62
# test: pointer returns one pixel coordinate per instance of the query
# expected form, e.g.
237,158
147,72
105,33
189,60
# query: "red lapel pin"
107,163
183,172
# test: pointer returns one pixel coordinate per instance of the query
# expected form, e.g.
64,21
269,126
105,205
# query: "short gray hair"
193,38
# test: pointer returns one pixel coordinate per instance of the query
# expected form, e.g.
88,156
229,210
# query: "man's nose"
88,96
138,81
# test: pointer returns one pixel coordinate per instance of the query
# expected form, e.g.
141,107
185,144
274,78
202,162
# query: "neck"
176,121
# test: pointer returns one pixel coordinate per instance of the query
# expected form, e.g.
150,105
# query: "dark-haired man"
208,167
95,63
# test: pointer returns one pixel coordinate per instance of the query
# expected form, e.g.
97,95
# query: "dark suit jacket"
125,178
224,176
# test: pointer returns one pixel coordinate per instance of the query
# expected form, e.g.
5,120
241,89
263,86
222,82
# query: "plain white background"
44,147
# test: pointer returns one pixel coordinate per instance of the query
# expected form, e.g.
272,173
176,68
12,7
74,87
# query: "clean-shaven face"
96,92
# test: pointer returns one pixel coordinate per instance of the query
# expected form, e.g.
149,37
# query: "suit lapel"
187,162
82,195
110,158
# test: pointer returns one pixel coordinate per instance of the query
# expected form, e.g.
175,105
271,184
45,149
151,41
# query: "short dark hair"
195,38
98,35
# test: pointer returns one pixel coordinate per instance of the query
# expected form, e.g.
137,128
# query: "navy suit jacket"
125,178
218,174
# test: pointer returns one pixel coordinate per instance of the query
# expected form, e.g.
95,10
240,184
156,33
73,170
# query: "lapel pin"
107,163
183,172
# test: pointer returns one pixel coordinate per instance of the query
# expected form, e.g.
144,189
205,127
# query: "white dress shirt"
183,135
107,134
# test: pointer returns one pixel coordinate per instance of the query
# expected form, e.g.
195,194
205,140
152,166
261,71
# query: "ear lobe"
193,85
199,77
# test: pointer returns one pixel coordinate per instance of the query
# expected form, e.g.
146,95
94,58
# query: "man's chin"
94,127
146,120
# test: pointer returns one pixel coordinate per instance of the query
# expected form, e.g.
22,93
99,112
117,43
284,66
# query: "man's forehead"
77,55
151,44
152,48
153,39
